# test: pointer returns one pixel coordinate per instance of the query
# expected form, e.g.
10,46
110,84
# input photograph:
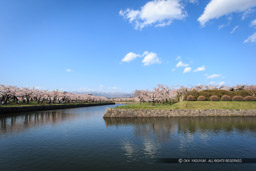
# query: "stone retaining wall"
140,113
7,110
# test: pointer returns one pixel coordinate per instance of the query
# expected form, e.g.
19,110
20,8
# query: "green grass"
193,105
145,106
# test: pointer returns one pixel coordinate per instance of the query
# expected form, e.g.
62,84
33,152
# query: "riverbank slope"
187,108
8,110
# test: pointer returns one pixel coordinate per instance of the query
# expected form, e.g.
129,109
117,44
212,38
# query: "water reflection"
133,151
18,123
162,128
130,150
150,148
80,139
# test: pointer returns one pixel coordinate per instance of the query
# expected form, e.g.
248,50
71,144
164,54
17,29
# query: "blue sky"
116,45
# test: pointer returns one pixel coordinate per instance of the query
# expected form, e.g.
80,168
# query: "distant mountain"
106,94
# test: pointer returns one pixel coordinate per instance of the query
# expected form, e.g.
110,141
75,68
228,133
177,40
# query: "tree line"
14,94
164,94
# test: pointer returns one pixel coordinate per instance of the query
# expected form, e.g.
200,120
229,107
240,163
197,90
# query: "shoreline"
157,113
10,110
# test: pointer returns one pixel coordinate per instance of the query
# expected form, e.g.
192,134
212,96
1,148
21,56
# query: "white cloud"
86,89
181,64
225,25
130,56
251,38
221,26
145,53
115,88
212,82
247,13
253,23
213,76
130,14
178,58
193,1
218,8
234,29
68,70
202,68
221,83
187,69
150,58
156,12
173,69
101,87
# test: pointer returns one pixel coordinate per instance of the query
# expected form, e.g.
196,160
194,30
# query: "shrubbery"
214,98
190,98
237,98
219,93
225,98
194,93
208,93
201,98
242,93
216,95
249,98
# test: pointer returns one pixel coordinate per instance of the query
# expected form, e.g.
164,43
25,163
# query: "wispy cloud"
193,1
181,64
221,83
187,69
100,88
178,58
68,70
227,24
253,23
217,84
213,76
202,68
234,29
115,88
247,13
156,12
251,38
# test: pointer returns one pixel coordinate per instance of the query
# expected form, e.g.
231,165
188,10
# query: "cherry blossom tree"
252,89
160,94
27,93
8,92
13,93
181,93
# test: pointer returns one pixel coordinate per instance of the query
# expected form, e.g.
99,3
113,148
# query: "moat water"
80,139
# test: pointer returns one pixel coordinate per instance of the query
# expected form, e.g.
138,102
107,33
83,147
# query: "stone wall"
140,113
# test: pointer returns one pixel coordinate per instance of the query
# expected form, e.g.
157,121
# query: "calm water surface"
80,139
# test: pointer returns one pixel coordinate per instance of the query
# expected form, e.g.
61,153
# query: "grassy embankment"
192,105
